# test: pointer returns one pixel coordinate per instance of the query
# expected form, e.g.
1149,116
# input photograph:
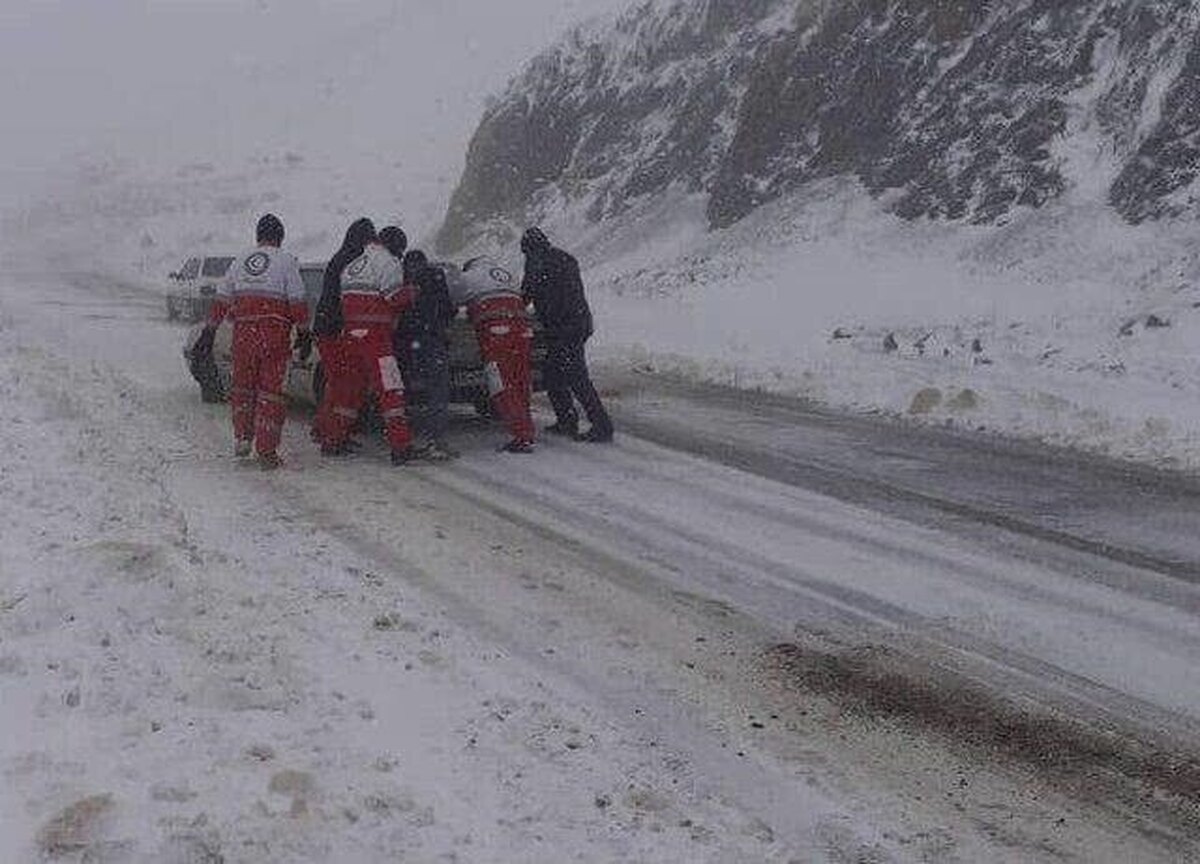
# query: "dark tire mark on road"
1103,766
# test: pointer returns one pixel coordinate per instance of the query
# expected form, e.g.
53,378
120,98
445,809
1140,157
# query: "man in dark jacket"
553,284
425,352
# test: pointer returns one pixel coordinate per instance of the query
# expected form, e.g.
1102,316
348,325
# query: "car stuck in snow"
305,379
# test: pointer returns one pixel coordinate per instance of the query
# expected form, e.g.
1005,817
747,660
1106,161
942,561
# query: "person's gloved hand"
204,343
303,345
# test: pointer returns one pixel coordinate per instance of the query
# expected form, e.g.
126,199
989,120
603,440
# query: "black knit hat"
359,234
394,239
534,240
269,230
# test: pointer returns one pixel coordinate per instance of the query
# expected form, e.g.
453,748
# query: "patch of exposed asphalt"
1104,766
1131,480
894,499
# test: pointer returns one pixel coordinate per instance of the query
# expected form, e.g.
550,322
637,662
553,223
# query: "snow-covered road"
713,641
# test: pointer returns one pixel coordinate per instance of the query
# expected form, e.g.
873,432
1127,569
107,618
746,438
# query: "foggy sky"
164,82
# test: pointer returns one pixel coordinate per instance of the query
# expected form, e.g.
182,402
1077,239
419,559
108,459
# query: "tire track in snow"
733,792
652,574
1063,722
848,458
753,787
857,489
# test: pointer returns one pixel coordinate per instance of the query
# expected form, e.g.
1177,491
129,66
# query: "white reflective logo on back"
257,264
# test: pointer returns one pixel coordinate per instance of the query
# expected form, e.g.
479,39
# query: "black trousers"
566,376
430,373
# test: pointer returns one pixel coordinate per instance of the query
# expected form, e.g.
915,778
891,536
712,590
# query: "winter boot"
517,446
269,461
564,428
432,451
341,449
403,457
596,435
242,448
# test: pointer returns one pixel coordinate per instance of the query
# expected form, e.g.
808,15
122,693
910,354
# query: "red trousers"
505,344
262,350
370,368
341,388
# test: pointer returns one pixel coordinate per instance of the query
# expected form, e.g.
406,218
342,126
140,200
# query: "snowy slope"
1044,328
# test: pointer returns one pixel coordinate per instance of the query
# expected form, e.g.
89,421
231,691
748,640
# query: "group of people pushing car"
380,299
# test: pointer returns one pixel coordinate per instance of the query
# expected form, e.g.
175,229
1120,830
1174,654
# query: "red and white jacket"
487,290
373,290
263,284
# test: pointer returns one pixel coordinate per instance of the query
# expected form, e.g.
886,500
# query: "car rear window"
216,266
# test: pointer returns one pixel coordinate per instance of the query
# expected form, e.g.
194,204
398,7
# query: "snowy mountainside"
958,110
620,110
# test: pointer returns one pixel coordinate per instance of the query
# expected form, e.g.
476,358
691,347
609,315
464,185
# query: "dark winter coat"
432,312
424,323
553,284
327,320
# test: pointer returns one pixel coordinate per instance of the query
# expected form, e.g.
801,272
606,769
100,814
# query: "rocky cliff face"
954,109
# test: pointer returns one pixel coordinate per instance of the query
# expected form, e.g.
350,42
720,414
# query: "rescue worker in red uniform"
497,310
264,297
341,386
373,297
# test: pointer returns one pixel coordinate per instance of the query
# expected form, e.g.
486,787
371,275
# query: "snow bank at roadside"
1065,325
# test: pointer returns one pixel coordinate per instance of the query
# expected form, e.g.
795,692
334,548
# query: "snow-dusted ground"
598,654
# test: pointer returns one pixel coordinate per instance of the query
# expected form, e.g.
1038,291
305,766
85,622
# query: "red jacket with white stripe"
373,291
262,285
